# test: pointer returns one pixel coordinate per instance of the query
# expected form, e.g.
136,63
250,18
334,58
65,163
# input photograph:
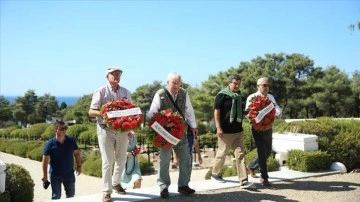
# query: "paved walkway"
88,188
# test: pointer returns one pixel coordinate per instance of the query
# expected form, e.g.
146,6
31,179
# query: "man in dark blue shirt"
61,150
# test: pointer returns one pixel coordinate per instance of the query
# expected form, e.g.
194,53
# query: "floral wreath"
258,103
165,117
122,123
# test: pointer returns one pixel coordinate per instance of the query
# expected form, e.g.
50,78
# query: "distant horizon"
69,100
41,95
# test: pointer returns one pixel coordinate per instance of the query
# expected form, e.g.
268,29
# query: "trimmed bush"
4,143
35,154
19,183
10,147
48,133
346,149
310,161
145,165
76,129
209,139
92,165
35,150
5,197
271,162
20,148
5,133
229,171
35,131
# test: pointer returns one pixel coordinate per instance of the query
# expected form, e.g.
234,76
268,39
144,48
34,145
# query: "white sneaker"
246,185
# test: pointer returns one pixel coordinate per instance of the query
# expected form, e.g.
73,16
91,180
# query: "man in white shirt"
263,139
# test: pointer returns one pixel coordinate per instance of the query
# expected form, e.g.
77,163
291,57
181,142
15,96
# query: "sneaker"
106,198
185,190
164,193
252,172
246,185
217,178
118,189
265,182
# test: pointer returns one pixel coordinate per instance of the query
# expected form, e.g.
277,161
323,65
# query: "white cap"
112,69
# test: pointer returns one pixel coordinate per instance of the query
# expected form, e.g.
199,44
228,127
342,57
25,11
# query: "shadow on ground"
277,192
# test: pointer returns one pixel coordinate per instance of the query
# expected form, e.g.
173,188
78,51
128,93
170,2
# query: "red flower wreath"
123,123
257,104
163,118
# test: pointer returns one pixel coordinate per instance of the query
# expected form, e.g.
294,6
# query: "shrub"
248,140
280,126
35,150
346,149
15,133
10,148
76,129
36,153
229,171
5,197
36,130
5,133
19,183
48,133
20,148
88,137
23,134
308,161
92,165
4,143
145,165
271,162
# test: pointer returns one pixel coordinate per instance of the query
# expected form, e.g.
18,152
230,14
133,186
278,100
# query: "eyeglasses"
264,85
116,73
236,83
62,129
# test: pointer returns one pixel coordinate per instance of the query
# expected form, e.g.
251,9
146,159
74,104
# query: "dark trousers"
69,185
263,141
190,138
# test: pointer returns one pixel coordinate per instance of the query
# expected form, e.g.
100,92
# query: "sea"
69,100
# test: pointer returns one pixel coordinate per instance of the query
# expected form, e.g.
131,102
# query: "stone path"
88,189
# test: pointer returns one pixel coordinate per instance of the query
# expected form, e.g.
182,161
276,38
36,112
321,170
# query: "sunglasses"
264,85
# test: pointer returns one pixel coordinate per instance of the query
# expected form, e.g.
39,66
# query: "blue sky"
64,47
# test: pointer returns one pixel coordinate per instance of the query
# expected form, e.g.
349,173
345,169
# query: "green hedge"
5,197
92,165
271,162
310,161
19,183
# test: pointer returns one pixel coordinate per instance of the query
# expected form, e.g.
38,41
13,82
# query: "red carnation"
165,117
121,123
257,104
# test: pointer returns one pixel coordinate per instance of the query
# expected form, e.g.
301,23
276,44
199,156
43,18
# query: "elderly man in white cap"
113,144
